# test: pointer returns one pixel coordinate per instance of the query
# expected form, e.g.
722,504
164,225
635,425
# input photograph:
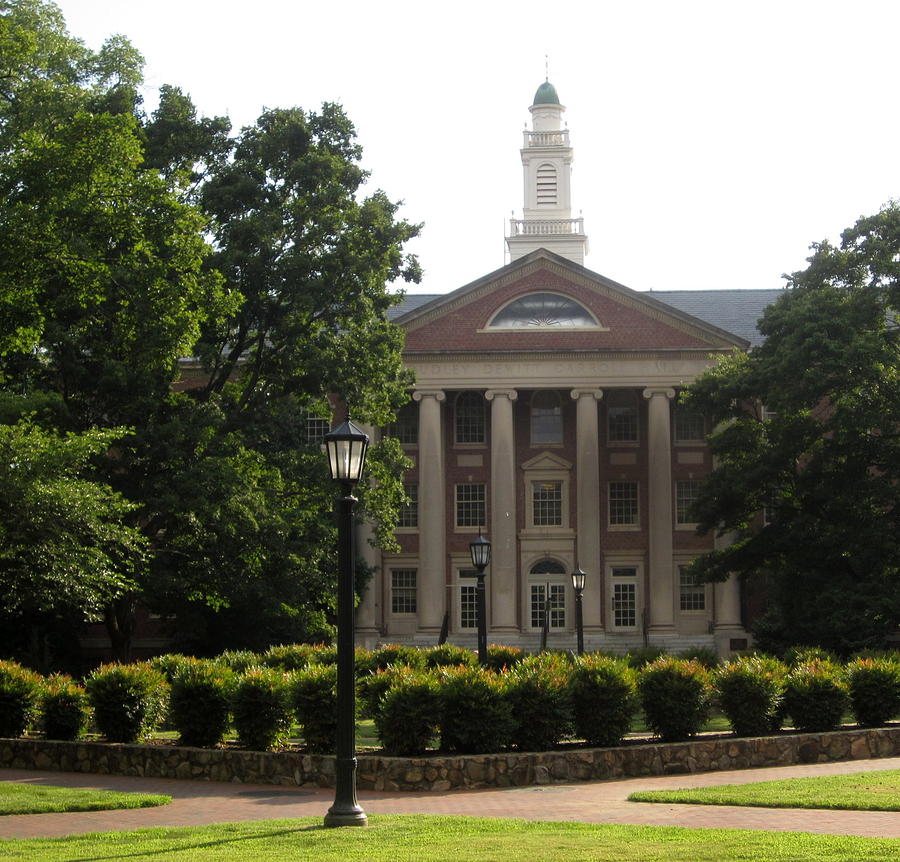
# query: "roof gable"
627,319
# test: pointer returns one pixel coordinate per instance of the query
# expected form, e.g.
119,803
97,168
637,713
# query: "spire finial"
546,67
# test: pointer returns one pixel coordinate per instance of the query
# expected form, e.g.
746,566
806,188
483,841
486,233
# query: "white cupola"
547,162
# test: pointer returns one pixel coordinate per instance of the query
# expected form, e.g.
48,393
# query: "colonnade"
502,522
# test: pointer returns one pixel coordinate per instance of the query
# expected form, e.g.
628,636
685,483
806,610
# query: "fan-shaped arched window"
543,309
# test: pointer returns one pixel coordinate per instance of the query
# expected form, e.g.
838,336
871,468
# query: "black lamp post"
578,577
346,446
480,549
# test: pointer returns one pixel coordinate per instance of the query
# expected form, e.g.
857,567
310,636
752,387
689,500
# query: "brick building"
545,413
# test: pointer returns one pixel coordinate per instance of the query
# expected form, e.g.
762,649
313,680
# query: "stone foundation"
452,772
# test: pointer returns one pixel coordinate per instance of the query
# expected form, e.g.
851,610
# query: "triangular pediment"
619,319
547,461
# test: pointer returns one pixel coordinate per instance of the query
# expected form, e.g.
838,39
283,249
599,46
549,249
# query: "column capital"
511,394
596,394
437,394
650,391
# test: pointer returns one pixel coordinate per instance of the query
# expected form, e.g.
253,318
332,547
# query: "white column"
587,501
431,576
502,529
661,598
727,594
369,611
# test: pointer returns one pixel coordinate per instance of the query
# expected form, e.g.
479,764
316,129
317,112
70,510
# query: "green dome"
546,95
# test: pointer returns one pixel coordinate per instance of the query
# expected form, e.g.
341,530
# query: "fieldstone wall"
442,772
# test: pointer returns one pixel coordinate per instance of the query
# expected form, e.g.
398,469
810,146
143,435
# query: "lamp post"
480,550
578,577
346,446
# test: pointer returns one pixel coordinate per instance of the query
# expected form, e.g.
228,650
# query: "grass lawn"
864,791
397,838
41,799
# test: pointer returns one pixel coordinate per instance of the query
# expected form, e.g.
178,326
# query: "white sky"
714,140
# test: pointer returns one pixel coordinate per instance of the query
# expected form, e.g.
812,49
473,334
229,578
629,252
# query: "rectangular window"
686,493
316,428
470,505
689,426
403,591
692,593
409,512
546,503
557,607
622,424
468,610
405,427
469,424
624,605
623,503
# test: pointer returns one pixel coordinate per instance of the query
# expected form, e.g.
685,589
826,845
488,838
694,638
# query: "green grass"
42,799
864,791
436,839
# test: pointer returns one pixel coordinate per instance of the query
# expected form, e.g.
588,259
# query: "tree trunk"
119,619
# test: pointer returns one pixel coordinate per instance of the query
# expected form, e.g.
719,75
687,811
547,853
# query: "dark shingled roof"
735,311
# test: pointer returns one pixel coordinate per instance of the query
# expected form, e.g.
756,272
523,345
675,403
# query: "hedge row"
419,698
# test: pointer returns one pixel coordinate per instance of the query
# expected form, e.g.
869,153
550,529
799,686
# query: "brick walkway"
197,802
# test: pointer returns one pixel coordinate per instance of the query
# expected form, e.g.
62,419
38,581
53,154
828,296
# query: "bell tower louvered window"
547,186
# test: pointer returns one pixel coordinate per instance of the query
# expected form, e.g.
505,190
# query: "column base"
730,639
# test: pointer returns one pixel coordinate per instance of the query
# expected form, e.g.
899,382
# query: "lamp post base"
346,818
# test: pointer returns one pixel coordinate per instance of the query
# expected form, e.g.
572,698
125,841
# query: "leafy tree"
808,448
211,293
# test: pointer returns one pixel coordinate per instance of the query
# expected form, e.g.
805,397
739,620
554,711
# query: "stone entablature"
441,772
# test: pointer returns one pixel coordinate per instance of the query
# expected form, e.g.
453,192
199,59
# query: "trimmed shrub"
129,700
314,700
816,696
410,712
874,686
288,657
675,696
397,654
20,692
706,656
797,655
538,695
750,692
199,704
362,660
169,664
65,708
449,655
475,715
325,653
603,693
501,657
261,708
239,660
370,689
641,656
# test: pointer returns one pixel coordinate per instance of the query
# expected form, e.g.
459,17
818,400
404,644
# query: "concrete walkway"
196,802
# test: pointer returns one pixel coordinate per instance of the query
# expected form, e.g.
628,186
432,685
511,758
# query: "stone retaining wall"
443,772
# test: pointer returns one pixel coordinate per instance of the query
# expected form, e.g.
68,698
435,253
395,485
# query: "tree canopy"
807,448
214,294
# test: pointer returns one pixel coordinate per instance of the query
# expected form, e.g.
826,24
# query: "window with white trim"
623,588
691,591
689,426
622,417
686,493
403,591
470,509
623,504
546,418
405,427
408,516
468,599
547,503
469,417
316,428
